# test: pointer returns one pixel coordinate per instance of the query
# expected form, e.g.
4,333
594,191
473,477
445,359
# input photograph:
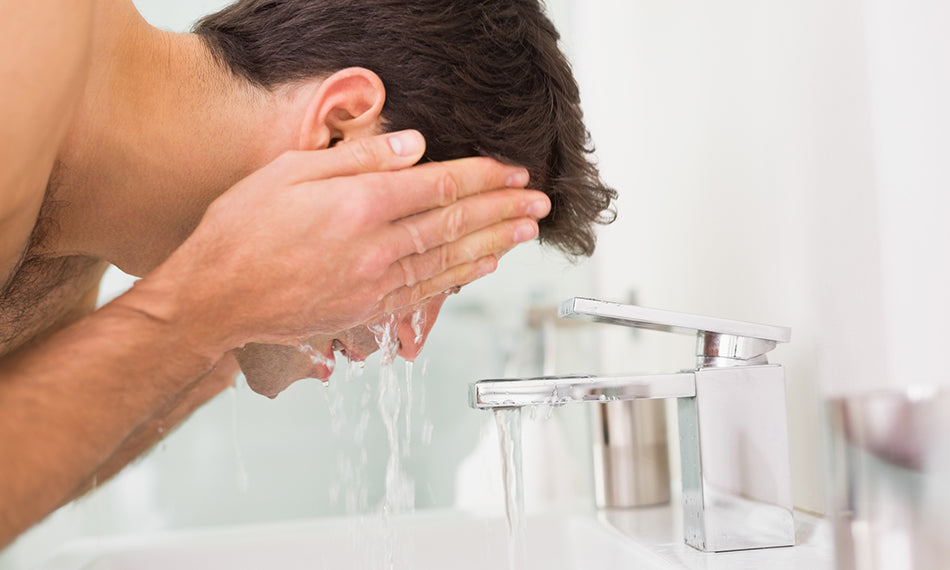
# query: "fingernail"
539,208
407,143
518,179
525,232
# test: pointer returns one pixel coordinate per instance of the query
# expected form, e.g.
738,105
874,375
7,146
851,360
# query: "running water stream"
508,421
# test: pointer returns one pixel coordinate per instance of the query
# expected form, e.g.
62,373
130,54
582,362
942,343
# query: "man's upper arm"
44,57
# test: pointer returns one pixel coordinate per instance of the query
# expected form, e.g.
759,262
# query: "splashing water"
350,486
427,426
394,404
407,431
418,324
399,494
385,335
318,358
355,369
242,478
508,421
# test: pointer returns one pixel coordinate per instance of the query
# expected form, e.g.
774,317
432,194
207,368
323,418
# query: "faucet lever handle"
669,321
736,341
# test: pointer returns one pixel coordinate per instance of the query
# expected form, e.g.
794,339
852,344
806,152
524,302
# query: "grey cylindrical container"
631,454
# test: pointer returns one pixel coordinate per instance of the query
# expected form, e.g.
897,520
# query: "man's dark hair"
476,77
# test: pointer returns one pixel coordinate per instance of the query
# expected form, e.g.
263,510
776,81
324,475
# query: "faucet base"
734,447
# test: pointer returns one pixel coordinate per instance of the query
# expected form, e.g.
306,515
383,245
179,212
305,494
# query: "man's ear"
347,105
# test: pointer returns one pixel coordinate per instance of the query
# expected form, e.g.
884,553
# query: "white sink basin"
422,541
440,540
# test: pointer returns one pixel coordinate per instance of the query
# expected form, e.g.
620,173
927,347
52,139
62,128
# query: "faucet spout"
558,390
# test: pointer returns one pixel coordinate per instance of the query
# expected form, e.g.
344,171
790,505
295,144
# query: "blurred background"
781,162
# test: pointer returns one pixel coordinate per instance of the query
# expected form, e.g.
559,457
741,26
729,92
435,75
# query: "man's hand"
320,242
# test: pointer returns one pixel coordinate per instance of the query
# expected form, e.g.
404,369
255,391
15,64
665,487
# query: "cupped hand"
319,242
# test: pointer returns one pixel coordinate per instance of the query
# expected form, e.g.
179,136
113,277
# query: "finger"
422,232
322,360
414,330
460,275
391,151
491,241
434,184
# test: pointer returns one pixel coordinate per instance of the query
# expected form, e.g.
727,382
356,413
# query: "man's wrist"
180,313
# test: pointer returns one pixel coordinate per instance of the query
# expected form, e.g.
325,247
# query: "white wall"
177,15
781,162
909,85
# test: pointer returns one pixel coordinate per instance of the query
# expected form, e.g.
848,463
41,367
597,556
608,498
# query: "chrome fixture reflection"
733,428
889,467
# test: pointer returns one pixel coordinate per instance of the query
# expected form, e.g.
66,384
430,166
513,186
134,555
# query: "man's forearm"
162,423
69,403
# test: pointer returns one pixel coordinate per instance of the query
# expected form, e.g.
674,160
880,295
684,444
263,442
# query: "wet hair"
475,77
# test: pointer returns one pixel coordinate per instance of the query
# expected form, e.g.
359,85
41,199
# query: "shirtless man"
259,215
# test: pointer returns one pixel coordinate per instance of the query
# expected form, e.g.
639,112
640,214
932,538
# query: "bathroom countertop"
659,530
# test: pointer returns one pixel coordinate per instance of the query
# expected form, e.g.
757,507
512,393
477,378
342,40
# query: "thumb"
390,151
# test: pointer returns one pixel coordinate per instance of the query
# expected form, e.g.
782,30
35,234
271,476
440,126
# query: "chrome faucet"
733,428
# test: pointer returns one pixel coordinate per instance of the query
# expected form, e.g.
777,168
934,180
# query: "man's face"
270,369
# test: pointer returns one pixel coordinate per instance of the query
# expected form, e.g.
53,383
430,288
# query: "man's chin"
270,368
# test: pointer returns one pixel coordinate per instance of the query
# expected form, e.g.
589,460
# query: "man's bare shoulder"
44,63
